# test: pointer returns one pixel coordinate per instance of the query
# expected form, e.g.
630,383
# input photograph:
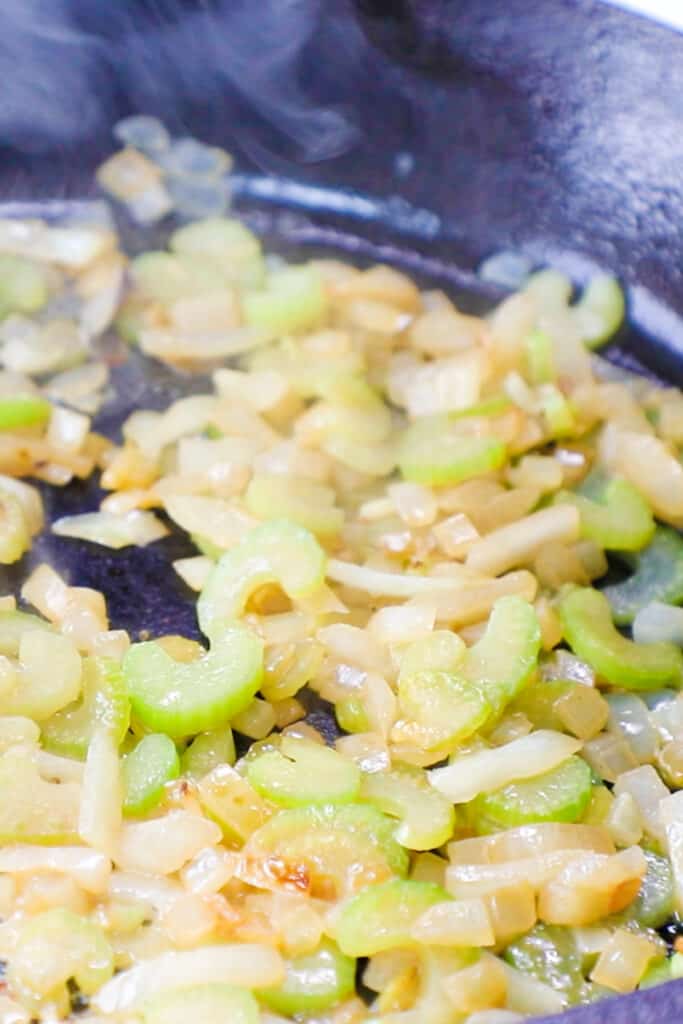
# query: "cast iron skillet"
427,133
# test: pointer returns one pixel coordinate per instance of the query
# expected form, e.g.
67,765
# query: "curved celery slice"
293,300
549,954
228,242
432,451
15,538
302,772
658,576
539,358
426,817
440,651
562,794
23,285
504,659
33,810
549,287
446,708
104,702
313,983
145,772
656,902
276,552
206,1004
382,916
301,501
600,310
23,411
13,625
184,698
588,628
351,715
49,678
57,945
332,849
206,752
619,520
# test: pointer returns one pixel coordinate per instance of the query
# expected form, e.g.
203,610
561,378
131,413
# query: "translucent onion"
385,584
89,868
629,715
647,789
162,846
529,996
514,544
658,622
455,923
102,795
528,841
111,531
624,960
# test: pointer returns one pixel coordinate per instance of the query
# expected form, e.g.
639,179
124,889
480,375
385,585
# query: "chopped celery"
426,817
146,770
305,502
351,715
549,954
658,576
432,451
232,803
184,698
57,945
548,703
504,659
440,651
656,902
13,625
293,300
276,552
23,285
104,702
656,974
314,982
206,1004
33,810
227,242
446,708
562,794
49,678
207,751
165,277
332,849
588,628
15,538
302,772
600,310
550,288
558,412
539,358
619,519
382,916
23,411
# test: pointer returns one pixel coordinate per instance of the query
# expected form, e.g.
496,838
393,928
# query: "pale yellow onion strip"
592,888
162,846
89,868
167,344
671,817
624,960
13,1013
480,987
112,531
102,794
530,841
29,499
465,880
194,571
455,923
248,965
513,545
389,584
472,601
156,891
528,996
488,770
222,523
650,465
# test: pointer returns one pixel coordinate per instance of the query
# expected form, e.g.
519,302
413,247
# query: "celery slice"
382,916
440,651
446,708
57,945
23,411
184,698
276,552
539,358
655,904
658,576
351,715
426,817
293,300
600,310
562,794
505,658
23,285
206,752
432,451
13,625
619,520
206,1004
49,678
588,628
145,772
313,983
104,702
302,772
33,810
549,954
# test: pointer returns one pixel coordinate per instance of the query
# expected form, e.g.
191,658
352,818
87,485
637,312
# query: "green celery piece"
439,651
302,772
503,661
182,699
657,974
293,300
431,451
447,708
549,954
275,552
550,287
206,1004
331,843
381,916
206,752
618,520
13,625
23,285
314,982
104,702
33,810
562,794
540,701
351,715
600,310
227,242
539,358
84,953
427,818
23,411
146,770
165,277
655,904
588,628
302,501
658,576
558,411
15,539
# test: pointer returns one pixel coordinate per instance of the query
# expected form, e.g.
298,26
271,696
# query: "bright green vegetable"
588,628
33,810
205,1004
57,945
146,770
657,974
104,702
562,794
182,699
446,708
440,651
382,916
23,285
15,538
351,715
619,519
539,358
23,411
207,751
558,412
426,817
549,954
655,903
504,659
302,772
432,451
302,501
600,310
658,576
276,552
314,982
293,300
13,625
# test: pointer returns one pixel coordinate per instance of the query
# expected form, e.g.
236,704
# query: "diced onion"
112,531
658,623
162,846
511,546
89,868
386,584
455,923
